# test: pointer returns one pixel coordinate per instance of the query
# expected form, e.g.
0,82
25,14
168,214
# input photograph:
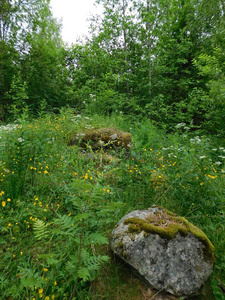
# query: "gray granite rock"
179,265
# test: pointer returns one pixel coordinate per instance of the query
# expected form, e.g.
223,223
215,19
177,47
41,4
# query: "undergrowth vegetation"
59,203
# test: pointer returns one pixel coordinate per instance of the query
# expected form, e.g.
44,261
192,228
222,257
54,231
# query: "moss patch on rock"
167,224
101,138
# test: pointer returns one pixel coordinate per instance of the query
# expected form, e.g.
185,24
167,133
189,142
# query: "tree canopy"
157,58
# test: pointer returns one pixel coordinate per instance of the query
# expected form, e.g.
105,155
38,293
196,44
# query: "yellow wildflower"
3,203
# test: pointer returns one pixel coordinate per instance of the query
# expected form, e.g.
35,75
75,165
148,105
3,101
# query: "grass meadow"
59,203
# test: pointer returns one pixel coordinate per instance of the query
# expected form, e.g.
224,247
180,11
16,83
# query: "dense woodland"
152,68
160,59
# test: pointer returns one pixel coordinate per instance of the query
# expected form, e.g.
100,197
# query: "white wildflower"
179,125
196,140
21,140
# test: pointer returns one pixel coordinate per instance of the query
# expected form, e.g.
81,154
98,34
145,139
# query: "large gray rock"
171,253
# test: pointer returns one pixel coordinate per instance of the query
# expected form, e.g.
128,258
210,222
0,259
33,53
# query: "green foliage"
53,211
58,205
40,230
143,59
148,63
31,48
18,96
212,67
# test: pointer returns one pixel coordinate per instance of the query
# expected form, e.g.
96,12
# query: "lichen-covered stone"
170,252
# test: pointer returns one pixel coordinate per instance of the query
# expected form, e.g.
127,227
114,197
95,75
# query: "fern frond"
96,238
81,185
84,274
82,216
64,221
50,258
84,255
40,229
93,263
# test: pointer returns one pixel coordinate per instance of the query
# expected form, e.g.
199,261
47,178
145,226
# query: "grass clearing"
59,205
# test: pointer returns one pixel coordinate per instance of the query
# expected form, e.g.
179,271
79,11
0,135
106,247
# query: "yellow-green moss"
101,137
134,228
167,224
120,245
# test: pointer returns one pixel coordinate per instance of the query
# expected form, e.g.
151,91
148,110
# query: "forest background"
155,68
158,59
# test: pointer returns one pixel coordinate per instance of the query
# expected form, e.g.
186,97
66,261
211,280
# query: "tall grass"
58,204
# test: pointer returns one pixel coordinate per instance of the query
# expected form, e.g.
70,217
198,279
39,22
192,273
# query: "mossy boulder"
170,252
101,138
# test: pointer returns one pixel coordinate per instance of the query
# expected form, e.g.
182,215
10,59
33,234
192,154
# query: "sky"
73,15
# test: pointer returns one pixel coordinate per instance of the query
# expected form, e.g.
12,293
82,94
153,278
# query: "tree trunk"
148,28
125,48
